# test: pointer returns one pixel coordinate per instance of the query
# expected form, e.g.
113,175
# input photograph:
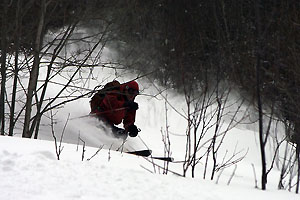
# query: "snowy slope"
29,170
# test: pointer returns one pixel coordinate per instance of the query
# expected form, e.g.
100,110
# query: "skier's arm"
129,118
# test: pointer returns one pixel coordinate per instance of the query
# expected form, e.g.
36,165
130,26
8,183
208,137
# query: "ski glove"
132,130
131,105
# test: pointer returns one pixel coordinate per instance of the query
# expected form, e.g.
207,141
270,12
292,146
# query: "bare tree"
29,60
16,68
166,140
58,145
4,47
34,73
36,122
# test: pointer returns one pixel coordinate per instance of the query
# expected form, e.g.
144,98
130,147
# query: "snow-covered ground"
29,169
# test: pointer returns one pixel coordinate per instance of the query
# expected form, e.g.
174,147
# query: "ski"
168,159
144,153
147,153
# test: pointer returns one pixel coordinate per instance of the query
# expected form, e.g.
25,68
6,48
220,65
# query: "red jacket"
113,111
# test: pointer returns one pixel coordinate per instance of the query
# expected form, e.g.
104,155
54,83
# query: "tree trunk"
298,163
16,70
261,131
34,72
258,95
3,66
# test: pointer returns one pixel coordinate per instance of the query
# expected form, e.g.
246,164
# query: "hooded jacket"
112,108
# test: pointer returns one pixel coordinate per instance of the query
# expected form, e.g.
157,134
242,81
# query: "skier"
114,104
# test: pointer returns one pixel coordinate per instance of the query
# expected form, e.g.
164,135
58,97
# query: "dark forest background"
187,45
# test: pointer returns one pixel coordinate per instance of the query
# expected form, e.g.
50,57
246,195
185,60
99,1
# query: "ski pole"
99,113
